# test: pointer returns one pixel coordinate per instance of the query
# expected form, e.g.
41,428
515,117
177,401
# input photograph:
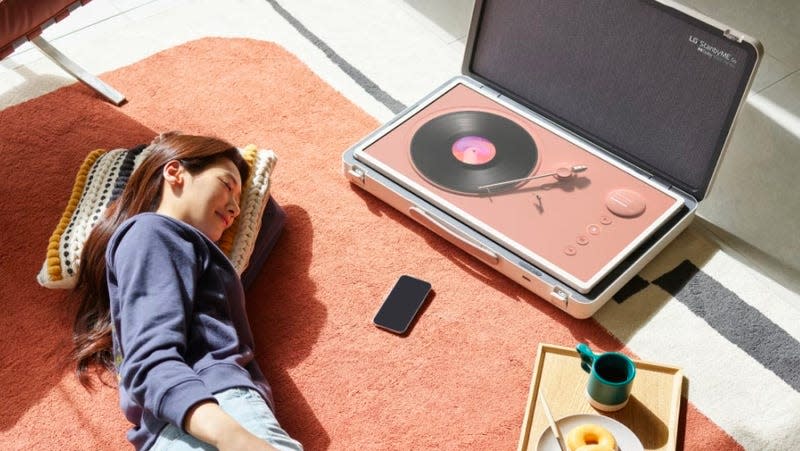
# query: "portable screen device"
402,304
569,185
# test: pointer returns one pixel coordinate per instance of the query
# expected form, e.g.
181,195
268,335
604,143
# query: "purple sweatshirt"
180,330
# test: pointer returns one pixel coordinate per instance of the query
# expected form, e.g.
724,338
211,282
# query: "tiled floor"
409,47
419,23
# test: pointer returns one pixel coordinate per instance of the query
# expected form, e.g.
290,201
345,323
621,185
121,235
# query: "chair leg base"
78,72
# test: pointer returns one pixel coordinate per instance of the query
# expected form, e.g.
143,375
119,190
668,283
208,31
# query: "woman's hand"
208,422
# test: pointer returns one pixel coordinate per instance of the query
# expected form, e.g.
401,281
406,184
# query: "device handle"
465,243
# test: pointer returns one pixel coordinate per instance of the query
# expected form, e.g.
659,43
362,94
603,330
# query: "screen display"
655,86
402,304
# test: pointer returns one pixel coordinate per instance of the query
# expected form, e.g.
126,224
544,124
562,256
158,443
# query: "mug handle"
587,356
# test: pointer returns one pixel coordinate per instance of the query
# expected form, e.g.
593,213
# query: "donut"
591,437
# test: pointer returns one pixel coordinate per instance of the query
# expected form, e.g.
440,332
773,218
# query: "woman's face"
209,200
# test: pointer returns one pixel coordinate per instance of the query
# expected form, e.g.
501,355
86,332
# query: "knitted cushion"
101,178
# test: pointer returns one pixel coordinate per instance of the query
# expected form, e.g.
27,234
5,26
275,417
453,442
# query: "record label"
474,150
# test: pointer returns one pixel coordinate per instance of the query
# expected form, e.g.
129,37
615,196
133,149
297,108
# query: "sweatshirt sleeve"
153,270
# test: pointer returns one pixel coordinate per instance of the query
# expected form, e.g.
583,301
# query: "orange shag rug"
459,380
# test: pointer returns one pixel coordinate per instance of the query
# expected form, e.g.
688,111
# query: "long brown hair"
91,331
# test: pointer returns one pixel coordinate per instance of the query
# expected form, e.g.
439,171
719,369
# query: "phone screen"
402,304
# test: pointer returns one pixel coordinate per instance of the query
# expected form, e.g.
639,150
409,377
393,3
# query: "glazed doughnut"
591,437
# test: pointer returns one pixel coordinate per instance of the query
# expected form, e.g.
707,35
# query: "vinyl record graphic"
464,150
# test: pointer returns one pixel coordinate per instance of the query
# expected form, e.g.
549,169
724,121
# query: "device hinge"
559,295
661,183
731,35
490,92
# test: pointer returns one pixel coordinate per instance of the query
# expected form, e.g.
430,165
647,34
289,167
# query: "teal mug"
610,378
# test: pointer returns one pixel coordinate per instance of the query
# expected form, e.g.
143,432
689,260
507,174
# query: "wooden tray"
652,412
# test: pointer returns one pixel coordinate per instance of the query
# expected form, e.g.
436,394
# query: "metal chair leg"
78,72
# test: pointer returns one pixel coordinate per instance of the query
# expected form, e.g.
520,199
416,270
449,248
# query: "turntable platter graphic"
465,150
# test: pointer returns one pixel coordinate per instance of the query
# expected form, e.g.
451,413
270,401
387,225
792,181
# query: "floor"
386,54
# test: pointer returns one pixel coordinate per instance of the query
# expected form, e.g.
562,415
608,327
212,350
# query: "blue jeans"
248,408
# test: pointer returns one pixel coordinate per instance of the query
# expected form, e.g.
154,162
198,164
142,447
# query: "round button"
605,219
625,202
593,229
563,173
570,250
582,240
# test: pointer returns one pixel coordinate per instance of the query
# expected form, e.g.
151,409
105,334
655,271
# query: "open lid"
650,83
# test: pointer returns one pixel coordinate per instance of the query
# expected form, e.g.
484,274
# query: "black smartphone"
402,304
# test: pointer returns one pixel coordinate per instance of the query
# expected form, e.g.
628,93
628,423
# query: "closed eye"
227,184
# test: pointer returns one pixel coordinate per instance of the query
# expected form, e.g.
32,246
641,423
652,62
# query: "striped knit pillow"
100,180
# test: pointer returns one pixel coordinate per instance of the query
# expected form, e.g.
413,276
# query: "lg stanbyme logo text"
713,52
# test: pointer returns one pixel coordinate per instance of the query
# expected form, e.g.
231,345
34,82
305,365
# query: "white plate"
626,439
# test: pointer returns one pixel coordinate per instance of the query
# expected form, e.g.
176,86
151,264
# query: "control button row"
583,240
